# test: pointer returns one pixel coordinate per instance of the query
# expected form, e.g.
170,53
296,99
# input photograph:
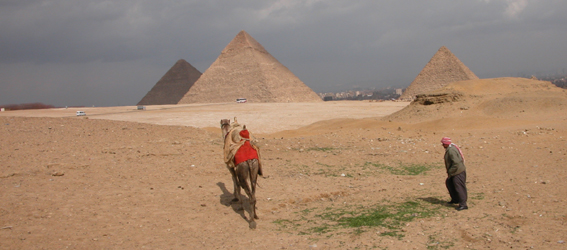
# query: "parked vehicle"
241,100
81,113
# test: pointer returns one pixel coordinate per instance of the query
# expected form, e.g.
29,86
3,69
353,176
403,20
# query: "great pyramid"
443,68
244,69
173,85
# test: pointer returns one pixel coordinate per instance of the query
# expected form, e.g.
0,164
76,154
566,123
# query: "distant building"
368,94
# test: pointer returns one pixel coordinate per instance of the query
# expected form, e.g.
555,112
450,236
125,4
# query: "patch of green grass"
477,196
403,169
325,228
281,222
332,171
359,231
307,211
433,243
390,218
364,170
395,234
284,223
304,169
324,149
334,214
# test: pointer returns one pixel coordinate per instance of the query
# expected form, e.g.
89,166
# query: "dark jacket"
453,161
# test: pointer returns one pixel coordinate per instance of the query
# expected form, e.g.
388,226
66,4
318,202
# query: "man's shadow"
226,200
436,201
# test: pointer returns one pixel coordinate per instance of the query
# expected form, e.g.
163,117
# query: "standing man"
456,174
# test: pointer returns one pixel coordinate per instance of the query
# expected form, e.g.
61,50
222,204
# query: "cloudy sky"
111,53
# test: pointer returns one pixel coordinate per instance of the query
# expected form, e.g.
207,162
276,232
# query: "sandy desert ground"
263,117
338,175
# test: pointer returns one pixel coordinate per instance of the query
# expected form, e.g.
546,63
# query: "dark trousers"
458,188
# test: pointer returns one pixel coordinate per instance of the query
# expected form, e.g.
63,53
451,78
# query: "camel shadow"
225,197
436,201
226,200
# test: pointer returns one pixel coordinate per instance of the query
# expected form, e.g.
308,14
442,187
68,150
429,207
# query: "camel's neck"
225,129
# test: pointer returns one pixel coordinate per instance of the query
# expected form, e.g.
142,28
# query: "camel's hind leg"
253,164
249,170
236,185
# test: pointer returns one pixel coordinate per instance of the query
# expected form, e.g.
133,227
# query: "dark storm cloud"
52,51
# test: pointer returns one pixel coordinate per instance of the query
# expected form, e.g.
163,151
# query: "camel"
236,146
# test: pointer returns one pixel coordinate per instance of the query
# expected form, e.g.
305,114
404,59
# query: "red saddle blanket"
244,153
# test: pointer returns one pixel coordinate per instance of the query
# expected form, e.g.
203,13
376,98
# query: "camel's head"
224,122
225,126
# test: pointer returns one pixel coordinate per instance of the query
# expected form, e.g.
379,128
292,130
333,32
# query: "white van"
81,113
241,100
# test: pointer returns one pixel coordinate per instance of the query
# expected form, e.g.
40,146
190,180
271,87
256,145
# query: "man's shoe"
461,208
